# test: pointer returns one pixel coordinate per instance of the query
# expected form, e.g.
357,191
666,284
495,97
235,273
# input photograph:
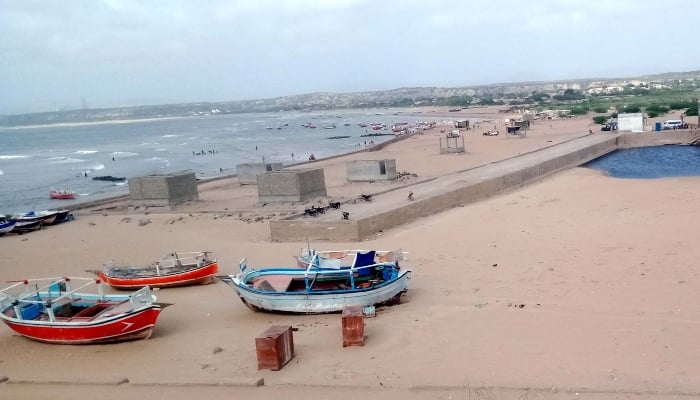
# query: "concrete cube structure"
291,185
630,122
248,173
163,190
371,170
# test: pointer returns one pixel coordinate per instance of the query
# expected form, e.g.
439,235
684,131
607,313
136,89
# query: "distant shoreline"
426,111
74,124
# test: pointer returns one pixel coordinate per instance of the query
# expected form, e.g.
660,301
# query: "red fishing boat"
61,194
175,269
52,310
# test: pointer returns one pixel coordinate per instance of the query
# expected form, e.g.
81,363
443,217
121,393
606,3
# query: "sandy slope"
578,283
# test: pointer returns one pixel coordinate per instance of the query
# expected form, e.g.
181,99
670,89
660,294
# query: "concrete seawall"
465,187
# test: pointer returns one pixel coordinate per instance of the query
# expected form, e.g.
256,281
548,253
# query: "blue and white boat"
322,289
6,226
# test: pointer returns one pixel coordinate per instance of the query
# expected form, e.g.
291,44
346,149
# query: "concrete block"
371,170
163,190
248,173
291,185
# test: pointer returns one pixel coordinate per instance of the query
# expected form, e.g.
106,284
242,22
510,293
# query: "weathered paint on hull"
134,326
321,302
200,276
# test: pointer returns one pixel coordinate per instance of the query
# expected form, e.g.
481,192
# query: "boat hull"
318,302
133,326
62,196
7,227
199,276
22,227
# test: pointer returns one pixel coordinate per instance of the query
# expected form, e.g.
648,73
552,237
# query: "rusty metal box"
275,347
353,326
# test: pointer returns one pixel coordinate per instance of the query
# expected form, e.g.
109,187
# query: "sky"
102,53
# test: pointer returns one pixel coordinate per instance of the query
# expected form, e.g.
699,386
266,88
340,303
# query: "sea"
650,162
35,160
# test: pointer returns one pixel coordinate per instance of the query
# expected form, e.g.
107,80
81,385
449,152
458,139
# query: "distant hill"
408,96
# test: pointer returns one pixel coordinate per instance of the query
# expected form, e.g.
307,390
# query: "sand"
577,284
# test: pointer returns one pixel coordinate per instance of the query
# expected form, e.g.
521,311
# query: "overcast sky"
129,52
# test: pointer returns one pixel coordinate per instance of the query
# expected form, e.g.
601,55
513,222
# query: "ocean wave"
124,154
160,150
85,151
12,157
165,162
1,173
98,167
170,135
148,143
65,160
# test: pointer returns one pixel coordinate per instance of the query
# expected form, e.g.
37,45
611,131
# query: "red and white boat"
175,269
61,194
52,310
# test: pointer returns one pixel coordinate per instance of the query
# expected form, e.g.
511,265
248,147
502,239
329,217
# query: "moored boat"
52,310
62,194
175,269
317,289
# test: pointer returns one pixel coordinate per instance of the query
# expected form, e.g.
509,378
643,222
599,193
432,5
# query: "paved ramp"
391,209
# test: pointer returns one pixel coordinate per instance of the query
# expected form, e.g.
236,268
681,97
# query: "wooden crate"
353,326
275,347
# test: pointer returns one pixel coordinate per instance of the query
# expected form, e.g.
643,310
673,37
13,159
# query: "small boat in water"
53,310
175,269
321,289
62,194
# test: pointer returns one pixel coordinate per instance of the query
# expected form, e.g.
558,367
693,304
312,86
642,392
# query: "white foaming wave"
160,150
98,167
1,173
124,154
169,135
148,143
13,157
165,162
65,160
85,151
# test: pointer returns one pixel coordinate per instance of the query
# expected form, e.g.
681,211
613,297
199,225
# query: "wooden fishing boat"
26,226
52,310
62,194
175,269
342,258
316,289
46,217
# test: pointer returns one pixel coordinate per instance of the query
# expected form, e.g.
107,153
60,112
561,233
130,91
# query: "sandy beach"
579,285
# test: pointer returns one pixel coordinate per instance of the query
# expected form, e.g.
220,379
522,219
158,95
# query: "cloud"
53,52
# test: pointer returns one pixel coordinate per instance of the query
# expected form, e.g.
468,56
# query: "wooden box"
353,326
275,347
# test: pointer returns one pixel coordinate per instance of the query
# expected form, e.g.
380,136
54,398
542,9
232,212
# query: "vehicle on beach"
674,124
368,280
610,126
77,311
175,269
